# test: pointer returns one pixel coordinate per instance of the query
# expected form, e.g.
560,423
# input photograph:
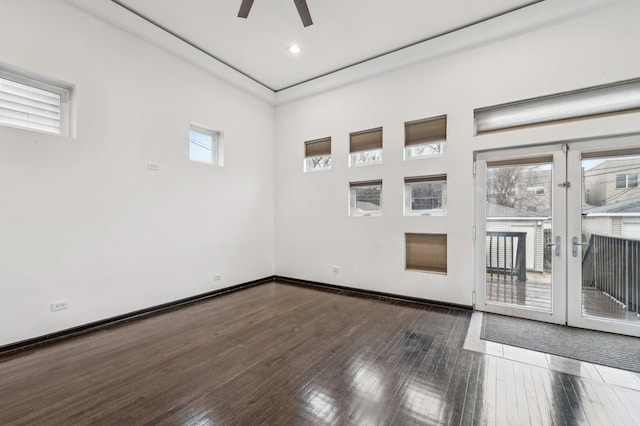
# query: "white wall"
313,229
83,219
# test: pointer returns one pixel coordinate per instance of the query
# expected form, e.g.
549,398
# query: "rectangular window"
33,104
317,155
618,97
365,198
535,190
626,181
365,147
204,145
425,195
426,252
425,138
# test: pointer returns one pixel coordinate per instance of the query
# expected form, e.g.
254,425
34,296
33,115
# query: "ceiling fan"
301,5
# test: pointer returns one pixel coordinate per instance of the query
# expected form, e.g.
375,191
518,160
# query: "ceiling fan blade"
245,7
303,11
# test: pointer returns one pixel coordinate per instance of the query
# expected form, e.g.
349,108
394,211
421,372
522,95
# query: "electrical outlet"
217,277
335,269
60,305
153,166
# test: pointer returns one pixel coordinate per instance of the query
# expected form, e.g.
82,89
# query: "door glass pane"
610,239
518,231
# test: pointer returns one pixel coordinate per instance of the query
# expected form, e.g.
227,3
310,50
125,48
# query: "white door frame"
574,229
567,223
558,204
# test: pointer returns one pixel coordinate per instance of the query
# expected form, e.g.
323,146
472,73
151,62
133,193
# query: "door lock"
576,244
556,244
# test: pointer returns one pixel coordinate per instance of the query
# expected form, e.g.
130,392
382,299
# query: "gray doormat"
611,350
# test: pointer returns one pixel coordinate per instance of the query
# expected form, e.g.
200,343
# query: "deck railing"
612,264
507,254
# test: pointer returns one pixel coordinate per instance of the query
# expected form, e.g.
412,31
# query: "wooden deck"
279,354
536,294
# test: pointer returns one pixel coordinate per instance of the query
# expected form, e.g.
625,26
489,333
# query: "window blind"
420,179
317,147
425,131
30,107
366,183
426,252
365,140
523,161
613,98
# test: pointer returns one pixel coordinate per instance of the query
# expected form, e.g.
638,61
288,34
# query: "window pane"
321,162
364,157
426,150
633,181
29,107
621,181
200,147
365,199
426,195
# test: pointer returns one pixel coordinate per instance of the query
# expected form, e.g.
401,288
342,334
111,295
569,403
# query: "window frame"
309,159
65,91
353,198
216,144
408,195
425,133
364,142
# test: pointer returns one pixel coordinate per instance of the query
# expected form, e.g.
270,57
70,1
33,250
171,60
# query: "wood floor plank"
280,354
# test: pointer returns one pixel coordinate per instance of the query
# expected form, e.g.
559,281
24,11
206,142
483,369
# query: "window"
627,181
365,198
365,147
205,145
426,252
618,97
317,155
33,104
425,195
425,138
535,190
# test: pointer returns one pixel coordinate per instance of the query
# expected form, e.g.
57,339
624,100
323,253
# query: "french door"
558,233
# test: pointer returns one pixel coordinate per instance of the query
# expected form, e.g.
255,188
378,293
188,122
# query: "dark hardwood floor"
280,354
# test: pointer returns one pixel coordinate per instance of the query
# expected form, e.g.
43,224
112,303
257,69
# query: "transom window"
317,155
365,147
425,138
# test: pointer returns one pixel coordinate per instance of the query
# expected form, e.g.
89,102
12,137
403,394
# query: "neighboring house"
502,218
612,181
524,188
620,219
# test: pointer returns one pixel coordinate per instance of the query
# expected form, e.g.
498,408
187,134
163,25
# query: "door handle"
556,244
576,244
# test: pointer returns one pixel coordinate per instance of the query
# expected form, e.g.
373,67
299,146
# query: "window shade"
426,252
30,107
317,147
612,98
366,183
365,140
419,179
425,131
523,161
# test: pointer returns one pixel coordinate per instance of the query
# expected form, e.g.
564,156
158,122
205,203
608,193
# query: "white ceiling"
349,40
345,32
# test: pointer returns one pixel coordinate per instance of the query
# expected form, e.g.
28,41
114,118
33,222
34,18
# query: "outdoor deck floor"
536,294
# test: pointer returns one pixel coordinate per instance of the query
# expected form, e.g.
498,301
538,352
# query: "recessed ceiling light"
294,49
